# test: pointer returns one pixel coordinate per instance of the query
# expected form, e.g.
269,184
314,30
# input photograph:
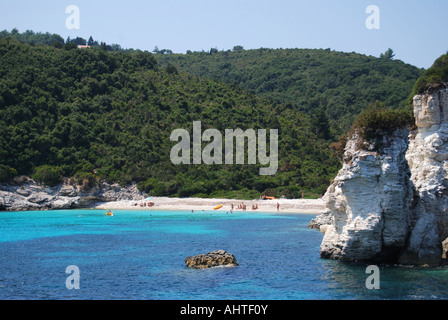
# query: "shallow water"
140,255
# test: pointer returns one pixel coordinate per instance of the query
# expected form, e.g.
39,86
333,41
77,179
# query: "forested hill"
104,113
92,114
342,84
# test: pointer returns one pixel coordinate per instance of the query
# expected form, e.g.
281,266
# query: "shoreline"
291,206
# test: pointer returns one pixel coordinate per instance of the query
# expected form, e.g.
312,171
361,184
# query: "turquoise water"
140,255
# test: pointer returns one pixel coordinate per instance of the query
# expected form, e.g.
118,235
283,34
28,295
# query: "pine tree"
90,42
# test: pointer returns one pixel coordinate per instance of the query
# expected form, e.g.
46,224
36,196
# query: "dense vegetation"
32,37
107,113
39,38
377,121
93,114
340,84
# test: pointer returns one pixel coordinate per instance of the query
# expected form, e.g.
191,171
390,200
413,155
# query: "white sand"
197,204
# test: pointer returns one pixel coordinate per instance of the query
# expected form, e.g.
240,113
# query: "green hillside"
106,113
93,114
342,84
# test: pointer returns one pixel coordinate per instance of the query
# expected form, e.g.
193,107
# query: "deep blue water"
140,255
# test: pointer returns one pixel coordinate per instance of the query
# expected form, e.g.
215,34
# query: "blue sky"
416,30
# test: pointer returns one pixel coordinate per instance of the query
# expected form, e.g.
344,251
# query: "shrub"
7,173
171,69
48,175
147,185
157,188
338,148
86,179
377,121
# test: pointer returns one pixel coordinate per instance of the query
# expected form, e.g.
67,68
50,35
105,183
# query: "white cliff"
428,162
368,203
391,204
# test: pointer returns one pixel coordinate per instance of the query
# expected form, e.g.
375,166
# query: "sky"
417,31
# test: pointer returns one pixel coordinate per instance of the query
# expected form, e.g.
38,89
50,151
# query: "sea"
139,255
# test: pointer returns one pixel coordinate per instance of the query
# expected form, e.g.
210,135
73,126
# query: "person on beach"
278,206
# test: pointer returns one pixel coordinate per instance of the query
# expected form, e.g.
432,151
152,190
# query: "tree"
165,51
54,38
7,173
48,175
388,55
79,41
92,42
171,69
321,124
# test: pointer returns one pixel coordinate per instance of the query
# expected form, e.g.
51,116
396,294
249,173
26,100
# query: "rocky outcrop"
29,195
390,203
427,156
321,221
368,202
212,259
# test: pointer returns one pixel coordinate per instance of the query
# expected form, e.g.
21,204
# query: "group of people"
144,204
243,207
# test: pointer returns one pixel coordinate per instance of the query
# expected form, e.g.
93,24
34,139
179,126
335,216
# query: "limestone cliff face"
28,195
427,156
391,204
368,202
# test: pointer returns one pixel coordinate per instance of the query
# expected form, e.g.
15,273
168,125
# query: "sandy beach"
310,206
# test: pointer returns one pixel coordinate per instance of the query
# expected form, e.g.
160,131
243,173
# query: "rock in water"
211,259
322,219
369,203
428,162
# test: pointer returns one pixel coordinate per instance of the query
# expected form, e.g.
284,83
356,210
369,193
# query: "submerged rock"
211,259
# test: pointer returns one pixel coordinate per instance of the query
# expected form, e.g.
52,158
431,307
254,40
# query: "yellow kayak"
217,207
